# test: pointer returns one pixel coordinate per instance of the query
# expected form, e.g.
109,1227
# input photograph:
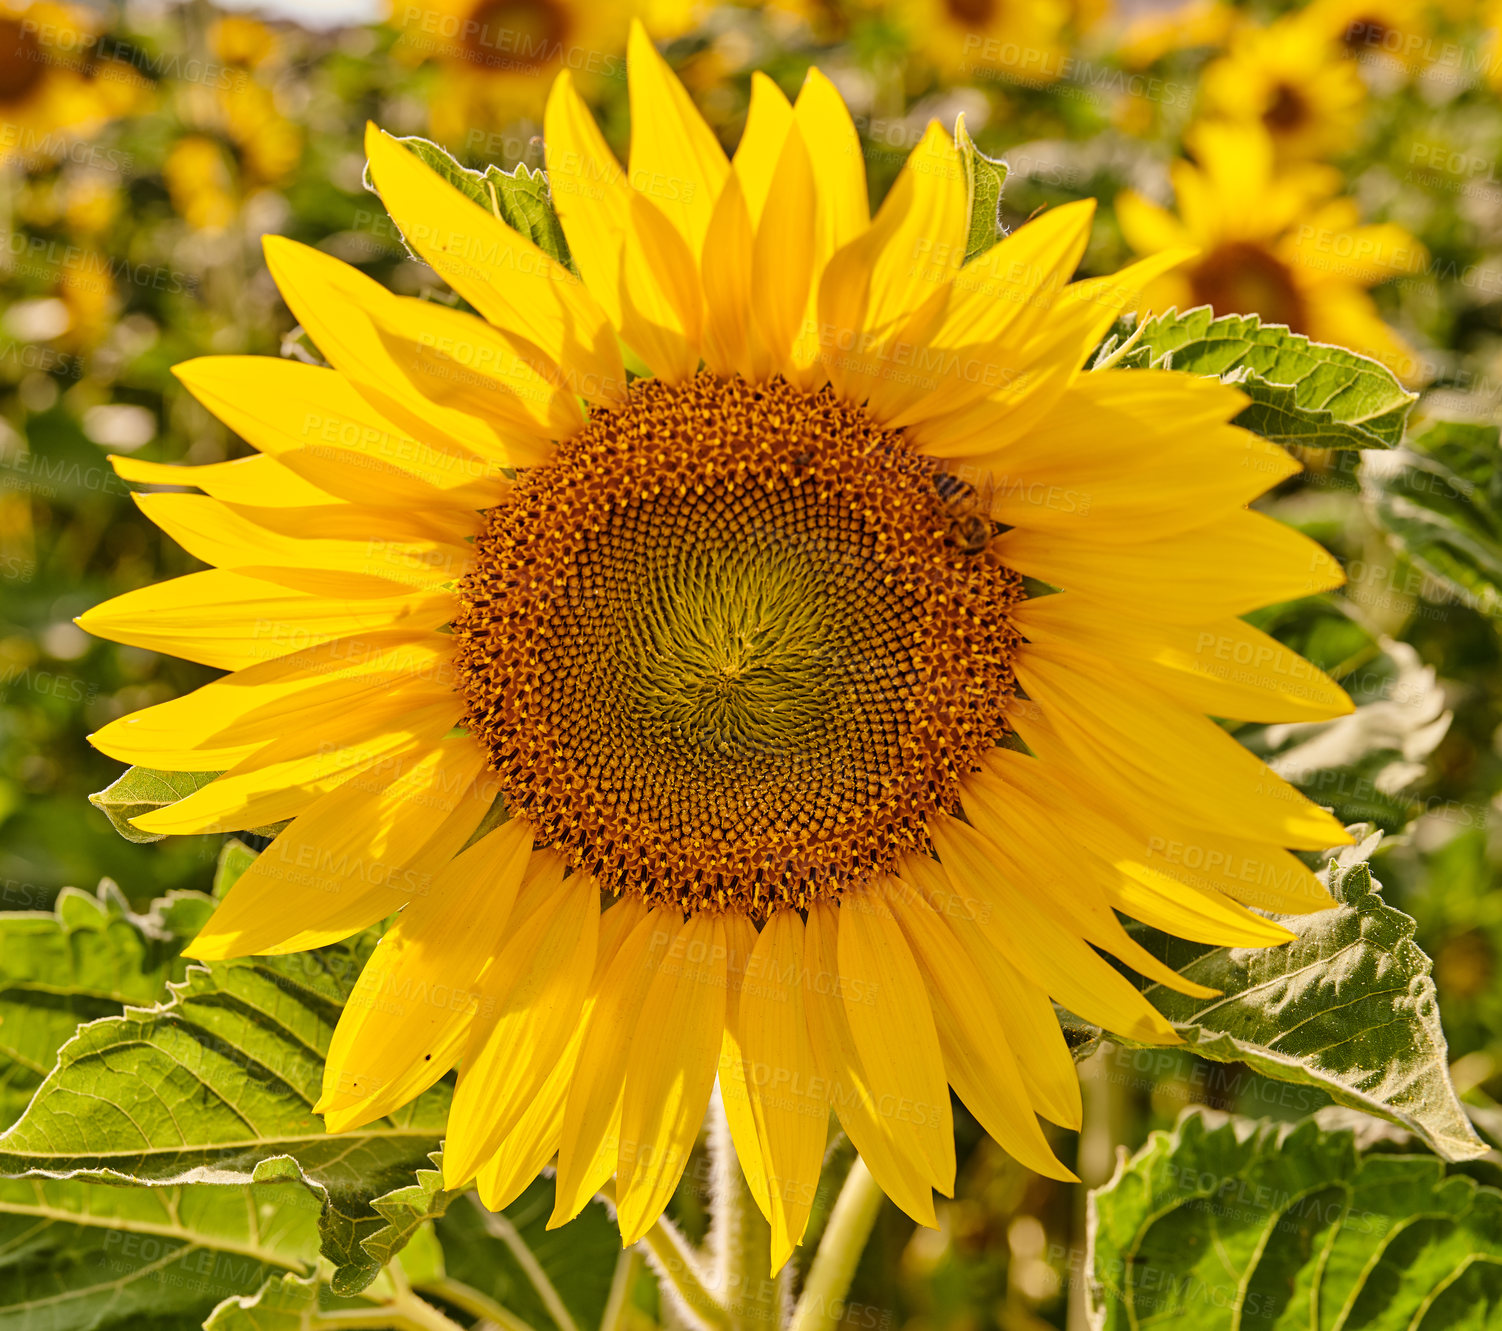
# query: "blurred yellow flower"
1294,79
1199,23
199,183
54,88
1275,243
86,285
1397,30
983,41
498,57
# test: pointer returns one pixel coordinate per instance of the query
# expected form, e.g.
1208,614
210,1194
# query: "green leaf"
1348,1007
76,1254
1303,392
1257,1225
283,1303
1365,766
218,1084
984,179
524,202
520,197
1440,502
235,857
405,1210
87,958
141,790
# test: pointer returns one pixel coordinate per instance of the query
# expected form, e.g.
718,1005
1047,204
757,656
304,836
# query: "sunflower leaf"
87,959
1348,1008
283,1303
520,197
217,1085
1256,1223
1440,502
139,791
1302,392
405,1210
523,201
984,179
82,1254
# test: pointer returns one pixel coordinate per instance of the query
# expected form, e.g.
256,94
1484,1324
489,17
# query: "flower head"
806,784
1274,242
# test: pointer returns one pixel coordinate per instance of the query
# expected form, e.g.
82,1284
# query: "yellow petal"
1223,667
590,1140
542,309
217,726
318,287
318,425
782,269
589,190
676,161
661,306
354,856
890,1154
1052,957
228,620
973,1036
893,1028
1043,1057
536,989
1237,563
1140,739
735,1076
228,537
673,1057
788,1106
405,1021
283,778
253,480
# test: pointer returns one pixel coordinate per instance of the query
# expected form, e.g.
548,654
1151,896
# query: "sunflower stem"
740,1239
821,1306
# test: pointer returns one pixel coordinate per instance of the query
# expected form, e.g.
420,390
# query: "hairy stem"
821,1306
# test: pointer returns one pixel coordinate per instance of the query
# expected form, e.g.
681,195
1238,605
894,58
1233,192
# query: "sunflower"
1294,78
496,58
52,86
807,784
1274,243
1394,32
1011,41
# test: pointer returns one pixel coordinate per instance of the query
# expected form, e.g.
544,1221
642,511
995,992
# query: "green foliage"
519,197
984,180
1348,1007
139,791
1440,501
80,1254
1302,392
493,1254
218,1083
86,959
1259,1225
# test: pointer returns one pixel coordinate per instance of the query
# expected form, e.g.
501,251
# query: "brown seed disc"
725,648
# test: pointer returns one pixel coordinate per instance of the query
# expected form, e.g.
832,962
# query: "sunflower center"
514,34
730,645
1241,278
21,61
1288,110
972,13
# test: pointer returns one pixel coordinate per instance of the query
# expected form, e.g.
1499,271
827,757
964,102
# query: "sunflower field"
799,665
